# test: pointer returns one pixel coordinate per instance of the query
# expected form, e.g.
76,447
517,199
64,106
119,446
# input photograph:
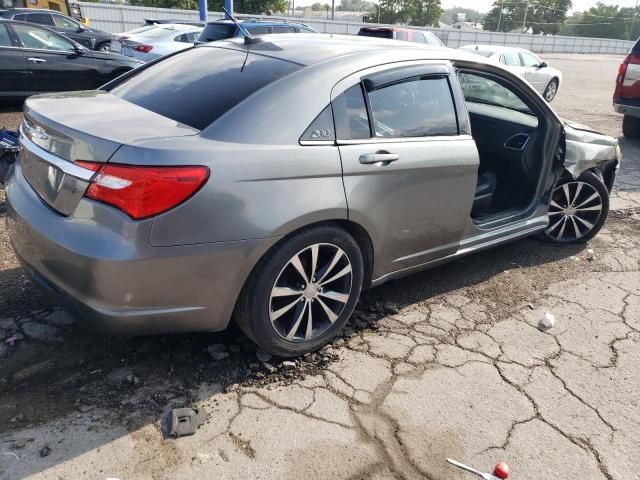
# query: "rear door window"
418,37
529,60
420,107
352,120
217,31
40,18
259,30
41,39
283,29
511,59
5,39
401,36
374,32
432,39
199,85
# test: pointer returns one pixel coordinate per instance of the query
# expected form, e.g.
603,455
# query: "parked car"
227,189
35,59
159,41
545,79
69,27
157,21
223,29
398,33
626,97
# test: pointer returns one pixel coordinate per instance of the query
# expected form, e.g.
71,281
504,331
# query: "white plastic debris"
548,321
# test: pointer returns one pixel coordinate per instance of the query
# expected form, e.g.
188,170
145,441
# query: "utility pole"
633,20
378,12
500,17
524,19
333,9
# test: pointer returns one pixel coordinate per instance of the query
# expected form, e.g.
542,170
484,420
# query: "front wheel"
577,210
551,90
302,292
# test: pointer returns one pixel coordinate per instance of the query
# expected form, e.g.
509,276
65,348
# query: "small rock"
20,443
270,368
254,366
547,322
41,332
263,356
17,418
288,365
338,342
120,376
391,308
530,305
218,356
59,318
216,348
45,451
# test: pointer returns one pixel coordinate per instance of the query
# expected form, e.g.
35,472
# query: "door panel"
418,205
53,63
412,184
14,75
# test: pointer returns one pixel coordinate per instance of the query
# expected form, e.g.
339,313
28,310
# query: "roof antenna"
248,38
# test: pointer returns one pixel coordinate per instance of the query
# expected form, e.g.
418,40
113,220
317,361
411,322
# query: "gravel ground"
446,363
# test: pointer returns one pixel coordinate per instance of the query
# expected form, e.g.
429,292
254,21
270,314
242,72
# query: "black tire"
103,47
631,127
551,90
575,211
256,305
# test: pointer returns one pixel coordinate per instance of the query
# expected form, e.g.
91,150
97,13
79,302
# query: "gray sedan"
271,180
545,79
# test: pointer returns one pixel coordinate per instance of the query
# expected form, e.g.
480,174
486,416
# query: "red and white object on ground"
501,470
486,476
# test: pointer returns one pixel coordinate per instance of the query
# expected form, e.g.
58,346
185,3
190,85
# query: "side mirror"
81,28
79,49
543,65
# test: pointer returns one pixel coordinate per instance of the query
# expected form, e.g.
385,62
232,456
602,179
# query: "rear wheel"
302,292
631,127
578,209
551,90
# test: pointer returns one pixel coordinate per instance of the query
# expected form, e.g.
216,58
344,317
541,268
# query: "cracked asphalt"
446,363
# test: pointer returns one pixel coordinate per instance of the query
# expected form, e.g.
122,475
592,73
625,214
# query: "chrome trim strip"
364,141
317,142
67,167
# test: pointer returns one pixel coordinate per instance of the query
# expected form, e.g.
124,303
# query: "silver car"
159,40
271,180
545,79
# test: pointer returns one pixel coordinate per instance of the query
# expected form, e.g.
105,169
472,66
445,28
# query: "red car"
626,98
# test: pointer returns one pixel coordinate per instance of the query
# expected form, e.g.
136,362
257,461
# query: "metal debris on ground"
485,476
547,322
184,421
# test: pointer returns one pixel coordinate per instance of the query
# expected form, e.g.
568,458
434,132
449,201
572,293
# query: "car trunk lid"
62,129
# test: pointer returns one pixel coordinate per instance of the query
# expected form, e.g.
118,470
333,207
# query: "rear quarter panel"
254,191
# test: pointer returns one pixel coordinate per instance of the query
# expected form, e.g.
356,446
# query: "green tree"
357,6
411,12
543,16
240,6
608,21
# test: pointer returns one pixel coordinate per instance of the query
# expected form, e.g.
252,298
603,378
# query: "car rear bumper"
627,108
119,283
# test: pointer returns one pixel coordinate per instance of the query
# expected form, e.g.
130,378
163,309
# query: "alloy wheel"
310,292
574,211
551,91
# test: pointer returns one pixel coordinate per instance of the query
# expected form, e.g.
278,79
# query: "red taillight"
143,48
622,70
143,192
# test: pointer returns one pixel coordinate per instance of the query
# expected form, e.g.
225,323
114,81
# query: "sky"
485,5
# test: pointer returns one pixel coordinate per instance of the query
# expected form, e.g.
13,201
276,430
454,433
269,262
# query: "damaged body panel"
587,149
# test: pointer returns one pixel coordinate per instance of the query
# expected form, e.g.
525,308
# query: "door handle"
379,157
36,60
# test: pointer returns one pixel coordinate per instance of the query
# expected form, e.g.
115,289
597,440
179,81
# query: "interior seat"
485,190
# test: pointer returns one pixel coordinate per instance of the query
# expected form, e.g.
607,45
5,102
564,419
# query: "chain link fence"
120,18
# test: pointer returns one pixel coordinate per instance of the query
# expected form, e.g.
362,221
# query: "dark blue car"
222,29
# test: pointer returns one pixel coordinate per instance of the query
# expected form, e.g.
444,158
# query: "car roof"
393,29
311,48
30,10
250,22
493,48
